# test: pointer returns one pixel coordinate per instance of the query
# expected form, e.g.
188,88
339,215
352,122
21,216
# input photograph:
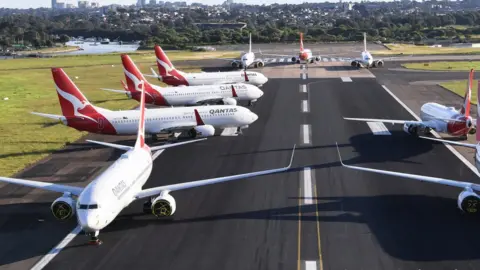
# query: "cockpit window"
88,206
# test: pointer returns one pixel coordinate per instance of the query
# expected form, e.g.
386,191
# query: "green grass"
459,87
408,49
106,59
459,66
27,138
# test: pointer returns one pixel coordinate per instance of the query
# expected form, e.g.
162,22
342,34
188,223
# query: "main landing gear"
94,241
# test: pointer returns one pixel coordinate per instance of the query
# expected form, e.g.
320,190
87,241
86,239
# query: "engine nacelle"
294,59
234,64
63,208
164,205
202,131
410,128
229,101
469,202
472,131
353,64
317,58
260,64
468,122
380,63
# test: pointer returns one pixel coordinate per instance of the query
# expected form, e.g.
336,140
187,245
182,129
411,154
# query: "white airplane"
187,95
468,200
469,145
197,120
304,55
247,59
437,117
366,60
101,201
171,76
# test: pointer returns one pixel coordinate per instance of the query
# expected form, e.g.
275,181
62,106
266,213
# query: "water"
88,48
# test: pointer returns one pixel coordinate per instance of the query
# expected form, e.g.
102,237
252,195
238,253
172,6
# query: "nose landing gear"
94,241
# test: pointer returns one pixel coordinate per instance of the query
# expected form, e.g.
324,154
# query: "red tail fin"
132,74
72,101
246,77
165,67
301,42
198,118
465,110
478,110
141,123
234,93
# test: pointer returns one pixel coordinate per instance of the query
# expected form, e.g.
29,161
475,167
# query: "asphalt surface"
344,220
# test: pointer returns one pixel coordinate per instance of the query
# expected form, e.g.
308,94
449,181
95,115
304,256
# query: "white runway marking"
307,186
346,79
306,134
378,128
311,265
303,88
54,252
449,147
304,105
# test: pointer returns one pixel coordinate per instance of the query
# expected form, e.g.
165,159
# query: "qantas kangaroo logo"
137,83
167,67
76,103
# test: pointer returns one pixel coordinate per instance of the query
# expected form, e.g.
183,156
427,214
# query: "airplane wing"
417,177
471,145
157,190
379,120
207,99
43,185
175,128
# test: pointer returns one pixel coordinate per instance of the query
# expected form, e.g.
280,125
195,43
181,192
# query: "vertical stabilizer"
478,110
133,75
141,123
364,41
250,48
72,101
465,110
165,67
301,42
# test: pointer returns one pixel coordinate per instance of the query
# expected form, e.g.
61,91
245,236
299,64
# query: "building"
82,4
60,5
153,2
95,5
54,4
141,3
70,5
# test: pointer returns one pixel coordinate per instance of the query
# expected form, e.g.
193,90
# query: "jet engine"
294,59
353,64
260,64
472,131
317,58
234,64
229,101
469,202
379,63
63,208
164,205
202,131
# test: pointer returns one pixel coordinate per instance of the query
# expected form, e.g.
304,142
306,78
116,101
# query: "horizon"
26,4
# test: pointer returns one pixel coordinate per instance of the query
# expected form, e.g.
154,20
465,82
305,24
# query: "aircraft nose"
89,222
254,117
258,93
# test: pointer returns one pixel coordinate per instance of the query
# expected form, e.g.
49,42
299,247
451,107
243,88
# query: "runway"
316,216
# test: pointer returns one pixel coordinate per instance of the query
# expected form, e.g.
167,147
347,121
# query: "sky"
47,3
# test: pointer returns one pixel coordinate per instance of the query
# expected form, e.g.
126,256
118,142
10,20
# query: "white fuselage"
247,59
191,95
113,190
254,78
158,120
367,59
433,112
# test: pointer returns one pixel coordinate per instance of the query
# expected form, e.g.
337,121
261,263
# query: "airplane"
187,95
171,76
304,55
438,117
198,121
102,200
366,59
468,200
247,59
469,145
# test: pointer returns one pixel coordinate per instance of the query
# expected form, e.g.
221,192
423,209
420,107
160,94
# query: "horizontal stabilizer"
51,116
114,90
113,145
165,146
378,120
471,145
155,148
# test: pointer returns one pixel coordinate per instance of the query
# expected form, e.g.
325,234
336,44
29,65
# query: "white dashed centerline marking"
378,128
304,105
346,79
307,186
306,134
311,265
303,88
304,76
449,147
54,252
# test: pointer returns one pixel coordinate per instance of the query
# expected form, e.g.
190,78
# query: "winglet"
198,118
339,156
291,158
234,93
124,85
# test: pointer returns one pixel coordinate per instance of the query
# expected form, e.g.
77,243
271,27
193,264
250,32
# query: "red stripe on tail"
234,93
164,65
478,110
141,125
301,42
468,94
